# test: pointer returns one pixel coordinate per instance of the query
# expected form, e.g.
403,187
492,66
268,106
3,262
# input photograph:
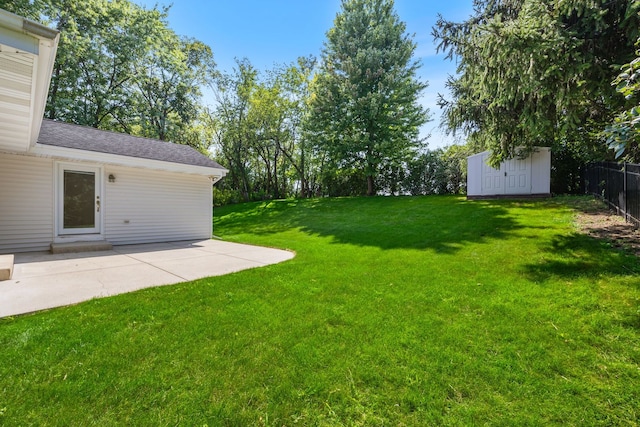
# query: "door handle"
505,174
97,203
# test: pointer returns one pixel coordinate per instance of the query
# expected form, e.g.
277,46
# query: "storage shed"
529,176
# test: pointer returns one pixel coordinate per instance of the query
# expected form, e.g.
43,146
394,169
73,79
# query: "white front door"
79,202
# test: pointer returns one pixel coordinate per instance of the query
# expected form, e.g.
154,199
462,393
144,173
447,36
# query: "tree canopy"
345,125
120,67
364,108
536,72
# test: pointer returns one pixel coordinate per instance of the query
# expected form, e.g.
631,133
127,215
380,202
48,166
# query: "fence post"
624,190
607,185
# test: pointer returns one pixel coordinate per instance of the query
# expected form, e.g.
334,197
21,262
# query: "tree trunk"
53,92
370,189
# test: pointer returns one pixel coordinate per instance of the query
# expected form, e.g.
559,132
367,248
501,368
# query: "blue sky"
270,32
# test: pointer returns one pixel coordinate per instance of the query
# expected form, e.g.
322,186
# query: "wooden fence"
618,184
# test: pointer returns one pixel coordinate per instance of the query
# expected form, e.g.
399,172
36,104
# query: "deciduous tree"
234,131
120,67
101,43
169,82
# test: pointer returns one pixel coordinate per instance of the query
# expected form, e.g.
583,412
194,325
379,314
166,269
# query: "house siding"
26,203
15,100
144,206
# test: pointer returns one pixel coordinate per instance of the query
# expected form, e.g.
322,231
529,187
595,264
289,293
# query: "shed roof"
534,149
85,138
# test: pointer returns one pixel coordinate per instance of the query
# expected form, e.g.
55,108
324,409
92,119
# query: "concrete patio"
42,280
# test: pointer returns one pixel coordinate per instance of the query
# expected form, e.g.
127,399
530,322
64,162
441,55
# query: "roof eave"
40,89
63,153
41,42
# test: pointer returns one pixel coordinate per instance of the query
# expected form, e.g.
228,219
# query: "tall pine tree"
365,111
537,72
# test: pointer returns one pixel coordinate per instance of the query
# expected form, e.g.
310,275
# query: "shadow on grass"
441,223
577,255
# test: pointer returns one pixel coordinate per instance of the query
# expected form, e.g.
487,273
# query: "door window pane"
79,204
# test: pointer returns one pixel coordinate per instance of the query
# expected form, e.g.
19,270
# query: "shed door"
492,179
79,204
518,176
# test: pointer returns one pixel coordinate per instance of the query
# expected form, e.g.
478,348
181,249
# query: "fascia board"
43,71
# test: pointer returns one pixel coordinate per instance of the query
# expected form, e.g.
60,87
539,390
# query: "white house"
529,176
62,183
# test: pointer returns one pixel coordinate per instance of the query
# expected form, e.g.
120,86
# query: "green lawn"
395,311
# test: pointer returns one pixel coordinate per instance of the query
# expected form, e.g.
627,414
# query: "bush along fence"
618,184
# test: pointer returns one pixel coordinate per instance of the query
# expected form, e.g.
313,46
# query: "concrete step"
6,267
73,247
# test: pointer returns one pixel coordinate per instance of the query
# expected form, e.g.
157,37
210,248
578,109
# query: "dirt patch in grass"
597,220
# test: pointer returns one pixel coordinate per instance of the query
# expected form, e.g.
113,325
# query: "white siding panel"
16,72
474,175
26,203
153,206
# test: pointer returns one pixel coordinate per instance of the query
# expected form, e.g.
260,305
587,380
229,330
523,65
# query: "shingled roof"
67,135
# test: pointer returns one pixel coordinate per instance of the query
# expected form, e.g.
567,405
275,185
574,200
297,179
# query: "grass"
395,311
